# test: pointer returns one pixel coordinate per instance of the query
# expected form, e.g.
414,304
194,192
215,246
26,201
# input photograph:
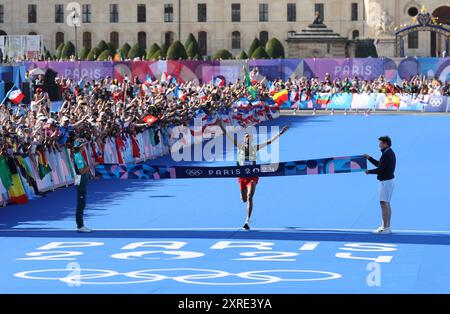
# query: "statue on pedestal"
318,19
384,25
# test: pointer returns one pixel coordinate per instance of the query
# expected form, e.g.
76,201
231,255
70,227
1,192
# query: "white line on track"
232,229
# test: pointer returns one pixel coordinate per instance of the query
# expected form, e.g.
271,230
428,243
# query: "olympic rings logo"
199,276
436,102
194,172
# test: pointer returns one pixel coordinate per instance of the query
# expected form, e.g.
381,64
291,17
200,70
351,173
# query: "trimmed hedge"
260,53
254,45
68,50
176,51
136,51
104,55
275,49
243,55
222,54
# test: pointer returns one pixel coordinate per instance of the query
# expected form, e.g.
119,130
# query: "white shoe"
84,230
382,230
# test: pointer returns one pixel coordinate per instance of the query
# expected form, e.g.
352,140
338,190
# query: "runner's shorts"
244,182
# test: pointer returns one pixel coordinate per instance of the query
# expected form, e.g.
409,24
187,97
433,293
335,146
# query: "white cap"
65,118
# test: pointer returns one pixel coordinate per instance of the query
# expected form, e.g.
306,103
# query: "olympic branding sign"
188,276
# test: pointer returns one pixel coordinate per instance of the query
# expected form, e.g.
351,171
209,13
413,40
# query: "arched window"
87,40
3,33
235,40
59,39
263,38
142,39
355,34
168,38
32,33
114,39
202,42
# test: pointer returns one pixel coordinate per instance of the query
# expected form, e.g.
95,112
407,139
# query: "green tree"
111,47
82,54
151,51
158,54
176,51
47,55
136,51
59,50
103,56
260,53
274,49
254,45
222,54
189,40
68,50
102,46
93,54
165,48
123,51
192,50
243,55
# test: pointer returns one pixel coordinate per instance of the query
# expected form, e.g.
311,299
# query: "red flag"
150,119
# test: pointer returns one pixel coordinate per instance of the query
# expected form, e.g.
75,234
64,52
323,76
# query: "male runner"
247,155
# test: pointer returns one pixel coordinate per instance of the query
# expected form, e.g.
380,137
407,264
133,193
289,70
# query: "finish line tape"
147,171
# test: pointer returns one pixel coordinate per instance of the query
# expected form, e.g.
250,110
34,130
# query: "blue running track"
310,234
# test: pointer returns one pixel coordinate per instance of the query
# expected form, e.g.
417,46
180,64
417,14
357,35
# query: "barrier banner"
340,101
332,165
436,103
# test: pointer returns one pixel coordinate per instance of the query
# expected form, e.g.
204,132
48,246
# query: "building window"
202,42
86,12
168,38
142,39
263,38
59,13
201,12
141,13
32,13
263,12
87,40
114,13
354,11
291,12
114,39
355,34
413,40
2,13
235,12
59,39
168,13
235,40
318,7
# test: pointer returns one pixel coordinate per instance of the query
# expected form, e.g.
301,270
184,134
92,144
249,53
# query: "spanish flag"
280,97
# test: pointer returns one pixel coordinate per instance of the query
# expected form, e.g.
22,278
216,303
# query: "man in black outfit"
385,174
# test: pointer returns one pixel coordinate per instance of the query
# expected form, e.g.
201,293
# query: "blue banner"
147,171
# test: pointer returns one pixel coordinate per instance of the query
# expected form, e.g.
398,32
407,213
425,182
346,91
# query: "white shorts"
386,189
